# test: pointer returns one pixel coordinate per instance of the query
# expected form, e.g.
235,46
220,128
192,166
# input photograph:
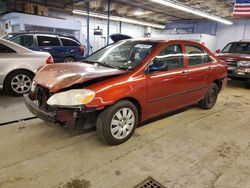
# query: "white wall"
97,42
240,30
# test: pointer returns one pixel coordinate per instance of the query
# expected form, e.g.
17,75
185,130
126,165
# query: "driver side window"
172,56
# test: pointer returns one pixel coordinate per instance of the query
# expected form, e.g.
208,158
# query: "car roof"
42,33
241,41
159,40
16,47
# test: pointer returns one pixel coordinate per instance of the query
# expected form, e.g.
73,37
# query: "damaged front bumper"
67,117
34,109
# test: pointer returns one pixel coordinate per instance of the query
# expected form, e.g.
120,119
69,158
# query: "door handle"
210,68
184,73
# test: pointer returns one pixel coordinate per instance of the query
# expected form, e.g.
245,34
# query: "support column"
108,21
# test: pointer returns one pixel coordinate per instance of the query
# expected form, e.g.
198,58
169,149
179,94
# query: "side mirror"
158,66
217,51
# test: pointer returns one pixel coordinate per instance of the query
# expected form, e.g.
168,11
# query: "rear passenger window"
5,49
48,41
68,42
172,56
196,55
24,40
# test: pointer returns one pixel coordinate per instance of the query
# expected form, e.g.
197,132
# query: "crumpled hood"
233,57
62,75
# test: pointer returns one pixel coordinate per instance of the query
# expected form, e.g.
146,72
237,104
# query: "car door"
7,55
73,49
199,68
166,90
51,44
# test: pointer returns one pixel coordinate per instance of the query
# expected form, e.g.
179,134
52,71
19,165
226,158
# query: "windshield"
242,48
7,37
123,54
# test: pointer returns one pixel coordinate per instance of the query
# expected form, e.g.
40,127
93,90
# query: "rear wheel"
18,82
210,98
69,59
248,83
117,123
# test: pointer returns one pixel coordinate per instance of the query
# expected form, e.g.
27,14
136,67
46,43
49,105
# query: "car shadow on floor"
237,84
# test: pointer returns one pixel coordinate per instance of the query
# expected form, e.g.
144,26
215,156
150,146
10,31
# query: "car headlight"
71,98
244,64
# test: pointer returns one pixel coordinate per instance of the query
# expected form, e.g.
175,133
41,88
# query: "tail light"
50,60
82,48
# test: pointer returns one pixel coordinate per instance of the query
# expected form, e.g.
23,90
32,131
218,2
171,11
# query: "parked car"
126,83
237,56
63,48
18,66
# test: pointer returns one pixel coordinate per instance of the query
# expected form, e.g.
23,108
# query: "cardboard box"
29,8
42,10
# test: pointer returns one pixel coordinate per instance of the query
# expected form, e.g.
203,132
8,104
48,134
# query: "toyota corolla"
126,83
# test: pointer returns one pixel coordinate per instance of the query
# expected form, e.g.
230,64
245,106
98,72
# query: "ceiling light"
138,13
192,11
117,18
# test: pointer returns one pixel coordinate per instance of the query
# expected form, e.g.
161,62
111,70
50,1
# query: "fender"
111,93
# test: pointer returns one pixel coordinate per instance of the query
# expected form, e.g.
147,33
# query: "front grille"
42,97
232,63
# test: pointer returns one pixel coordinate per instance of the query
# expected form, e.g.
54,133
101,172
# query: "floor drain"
149,183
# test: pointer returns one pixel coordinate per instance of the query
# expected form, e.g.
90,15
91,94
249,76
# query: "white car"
18,66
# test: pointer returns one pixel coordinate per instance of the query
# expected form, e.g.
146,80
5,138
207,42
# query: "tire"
248,83
18,82
123,126
210,98
69,59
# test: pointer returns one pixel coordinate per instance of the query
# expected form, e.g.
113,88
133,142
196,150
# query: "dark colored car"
126,83
237,56
63,48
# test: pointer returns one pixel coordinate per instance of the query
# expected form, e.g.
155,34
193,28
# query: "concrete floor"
192,148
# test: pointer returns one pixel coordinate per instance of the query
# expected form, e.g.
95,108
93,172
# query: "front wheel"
248,82
117,123
210,98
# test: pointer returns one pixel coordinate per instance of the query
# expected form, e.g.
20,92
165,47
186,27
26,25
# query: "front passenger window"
172,56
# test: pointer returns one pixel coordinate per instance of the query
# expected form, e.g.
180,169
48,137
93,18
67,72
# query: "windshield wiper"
107,65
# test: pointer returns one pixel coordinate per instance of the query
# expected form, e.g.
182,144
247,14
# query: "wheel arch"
70,56
135,102
15,70
218,82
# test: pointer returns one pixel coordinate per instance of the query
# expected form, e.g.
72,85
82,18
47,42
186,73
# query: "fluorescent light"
138,13
117,18
193,11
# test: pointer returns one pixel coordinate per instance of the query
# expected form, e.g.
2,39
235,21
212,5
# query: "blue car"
63,48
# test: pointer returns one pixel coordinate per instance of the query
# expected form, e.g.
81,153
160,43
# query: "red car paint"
161,92
155,93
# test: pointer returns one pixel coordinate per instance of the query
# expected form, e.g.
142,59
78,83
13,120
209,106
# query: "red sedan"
126,83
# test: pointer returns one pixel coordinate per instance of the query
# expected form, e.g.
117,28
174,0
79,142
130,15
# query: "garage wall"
97,42
224,34
238,31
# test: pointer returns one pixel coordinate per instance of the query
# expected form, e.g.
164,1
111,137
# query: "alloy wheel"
122,123
21,83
